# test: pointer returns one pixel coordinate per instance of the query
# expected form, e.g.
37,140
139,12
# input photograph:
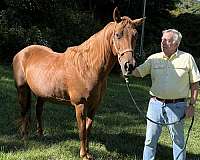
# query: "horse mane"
99,41
90,43
93,53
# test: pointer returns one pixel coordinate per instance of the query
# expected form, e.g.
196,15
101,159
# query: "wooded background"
62,23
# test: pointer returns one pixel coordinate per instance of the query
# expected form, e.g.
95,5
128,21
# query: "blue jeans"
168,113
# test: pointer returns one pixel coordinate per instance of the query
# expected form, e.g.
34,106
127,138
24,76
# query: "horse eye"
118,35
135,34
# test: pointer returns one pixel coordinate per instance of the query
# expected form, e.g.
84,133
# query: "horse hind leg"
24,97
39,110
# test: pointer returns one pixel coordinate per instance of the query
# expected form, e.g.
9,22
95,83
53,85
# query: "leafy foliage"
49,23
62,23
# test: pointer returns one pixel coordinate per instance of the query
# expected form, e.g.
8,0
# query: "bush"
14,37
66,28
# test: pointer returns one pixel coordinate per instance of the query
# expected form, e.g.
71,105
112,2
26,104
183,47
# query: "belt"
170,100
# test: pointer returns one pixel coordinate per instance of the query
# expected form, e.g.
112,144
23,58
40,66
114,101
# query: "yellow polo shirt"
171,77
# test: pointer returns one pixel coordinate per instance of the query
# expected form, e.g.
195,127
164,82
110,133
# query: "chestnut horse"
77,77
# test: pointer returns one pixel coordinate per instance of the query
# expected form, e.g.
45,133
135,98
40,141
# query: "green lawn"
118,132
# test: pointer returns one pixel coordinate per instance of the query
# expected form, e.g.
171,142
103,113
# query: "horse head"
124,40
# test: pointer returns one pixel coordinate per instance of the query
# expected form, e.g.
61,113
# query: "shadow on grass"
12,146
123,143
128,144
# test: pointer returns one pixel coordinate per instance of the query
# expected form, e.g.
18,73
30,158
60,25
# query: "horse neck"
100,56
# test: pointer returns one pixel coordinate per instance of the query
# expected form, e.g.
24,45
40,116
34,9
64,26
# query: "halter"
121,53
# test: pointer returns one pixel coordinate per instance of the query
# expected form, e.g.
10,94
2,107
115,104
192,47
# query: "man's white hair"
177,36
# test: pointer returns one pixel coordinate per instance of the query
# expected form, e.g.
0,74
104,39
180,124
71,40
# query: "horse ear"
139,21
116,15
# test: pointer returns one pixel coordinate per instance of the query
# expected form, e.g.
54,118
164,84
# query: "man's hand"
194,94
136,73
189,111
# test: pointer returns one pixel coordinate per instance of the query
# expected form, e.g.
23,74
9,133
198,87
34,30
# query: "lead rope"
159,123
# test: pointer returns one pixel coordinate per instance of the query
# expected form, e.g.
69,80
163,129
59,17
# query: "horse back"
39,67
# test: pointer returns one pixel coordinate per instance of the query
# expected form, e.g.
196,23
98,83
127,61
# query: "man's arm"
194,92
194,95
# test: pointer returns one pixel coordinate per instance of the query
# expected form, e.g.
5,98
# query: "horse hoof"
88,157
40,132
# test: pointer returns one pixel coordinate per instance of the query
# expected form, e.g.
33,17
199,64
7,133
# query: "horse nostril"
128,67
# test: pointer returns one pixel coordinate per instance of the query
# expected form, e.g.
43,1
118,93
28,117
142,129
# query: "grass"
118,132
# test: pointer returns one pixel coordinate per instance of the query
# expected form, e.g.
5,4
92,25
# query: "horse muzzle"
127,68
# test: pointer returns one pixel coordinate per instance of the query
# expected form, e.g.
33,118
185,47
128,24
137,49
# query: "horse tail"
24,92
24,99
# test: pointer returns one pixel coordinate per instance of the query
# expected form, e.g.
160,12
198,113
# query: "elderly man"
175,77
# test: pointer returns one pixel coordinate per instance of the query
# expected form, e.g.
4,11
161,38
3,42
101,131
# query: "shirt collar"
172,56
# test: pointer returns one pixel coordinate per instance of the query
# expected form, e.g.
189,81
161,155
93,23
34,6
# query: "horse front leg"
89,122
91,110
81,120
